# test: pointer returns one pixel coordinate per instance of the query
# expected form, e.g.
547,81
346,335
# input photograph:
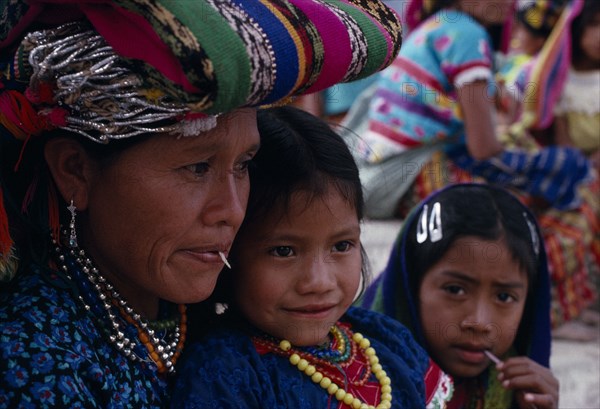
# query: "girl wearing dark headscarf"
468,275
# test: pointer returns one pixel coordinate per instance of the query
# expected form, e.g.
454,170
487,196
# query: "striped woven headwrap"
213,56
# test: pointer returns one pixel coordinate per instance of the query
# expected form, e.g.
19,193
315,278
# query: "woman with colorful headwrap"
431,122
126,133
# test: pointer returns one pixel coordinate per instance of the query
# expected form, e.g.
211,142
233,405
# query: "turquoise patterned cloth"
415,98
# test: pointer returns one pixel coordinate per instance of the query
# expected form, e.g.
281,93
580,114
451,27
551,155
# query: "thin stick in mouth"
224,259
492,357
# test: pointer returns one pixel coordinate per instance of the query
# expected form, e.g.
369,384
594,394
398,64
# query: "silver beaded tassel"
101,94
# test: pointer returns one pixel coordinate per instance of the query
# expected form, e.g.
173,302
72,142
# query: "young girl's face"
590,40
300,272
472,300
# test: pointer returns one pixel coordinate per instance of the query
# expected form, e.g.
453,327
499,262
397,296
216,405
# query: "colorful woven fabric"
553,173
47,337
226,370
415,100
219,55
115,69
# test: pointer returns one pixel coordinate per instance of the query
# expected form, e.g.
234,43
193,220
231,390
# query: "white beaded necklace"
333,389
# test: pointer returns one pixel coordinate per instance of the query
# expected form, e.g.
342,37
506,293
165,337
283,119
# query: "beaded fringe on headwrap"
95,82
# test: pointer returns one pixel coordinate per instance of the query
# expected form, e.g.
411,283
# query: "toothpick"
497,361
224,260
493,357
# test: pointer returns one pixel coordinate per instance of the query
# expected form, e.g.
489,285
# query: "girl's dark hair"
585,18
485,212
299,153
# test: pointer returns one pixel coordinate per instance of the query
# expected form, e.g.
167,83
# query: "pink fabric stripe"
550,91
394,135
507,28
412,14
133,37
545,103
336,43
418,73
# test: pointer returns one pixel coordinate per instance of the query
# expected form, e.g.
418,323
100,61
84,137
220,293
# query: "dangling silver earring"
73,232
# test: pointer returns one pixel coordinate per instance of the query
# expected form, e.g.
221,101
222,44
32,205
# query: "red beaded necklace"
335,371
322,372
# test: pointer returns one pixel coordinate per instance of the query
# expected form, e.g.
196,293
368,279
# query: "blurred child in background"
578,111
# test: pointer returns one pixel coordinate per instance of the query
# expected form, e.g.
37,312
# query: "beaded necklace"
137,338
323,365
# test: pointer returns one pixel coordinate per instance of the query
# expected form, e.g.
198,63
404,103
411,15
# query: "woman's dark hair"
299,153
485,212
585,18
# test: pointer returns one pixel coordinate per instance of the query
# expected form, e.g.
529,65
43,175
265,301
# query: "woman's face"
298,274
159,214
487,12
472,300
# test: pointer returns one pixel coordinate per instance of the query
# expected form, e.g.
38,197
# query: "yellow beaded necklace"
333,389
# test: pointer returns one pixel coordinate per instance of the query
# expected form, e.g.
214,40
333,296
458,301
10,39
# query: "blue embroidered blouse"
55,354
224,370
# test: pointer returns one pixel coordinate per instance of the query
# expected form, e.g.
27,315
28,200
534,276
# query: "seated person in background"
468,275
533,24
578,110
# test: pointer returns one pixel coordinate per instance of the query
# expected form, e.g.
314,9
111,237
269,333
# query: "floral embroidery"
53,354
